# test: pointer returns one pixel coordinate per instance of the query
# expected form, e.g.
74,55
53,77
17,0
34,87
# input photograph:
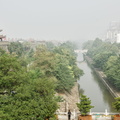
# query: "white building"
113,32
118,38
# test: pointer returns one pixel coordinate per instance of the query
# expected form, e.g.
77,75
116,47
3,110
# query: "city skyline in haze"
57,19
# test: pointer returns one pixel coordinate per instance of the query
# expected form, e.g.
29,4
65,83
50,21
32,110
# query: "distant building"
113,32
118,38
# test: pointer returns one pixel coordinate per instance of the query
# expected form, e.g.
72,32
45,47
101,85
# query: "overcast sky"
57,19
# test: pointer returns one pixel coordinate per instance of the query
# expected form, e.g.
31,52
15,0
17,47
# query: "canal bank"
102,77
93,87
69,100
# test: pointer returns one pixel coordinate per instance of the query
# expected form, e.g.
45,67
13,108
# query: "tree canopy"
29,79
85,105
24,95
106,56
116,104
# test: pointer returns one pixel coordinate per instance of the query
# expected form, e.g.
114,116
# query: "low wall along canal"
102,77
93,87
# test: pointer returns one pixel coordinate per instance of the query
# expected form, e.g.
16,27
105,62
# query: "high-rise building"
113,31
118,38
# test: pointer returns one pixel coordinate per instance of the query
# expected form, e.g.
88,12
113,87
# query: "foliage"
101,47
22,94
66,69
28,86
66,51
77,72
11,73
64,75
112,70
87,45
33,101
23,51
2,51
84,105
105,56
44,60
29,56
60,64
116,104
59,99
101,59
50,46
16,48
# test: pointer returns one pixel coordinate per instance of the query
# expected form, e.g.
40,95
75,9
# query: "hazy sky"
57,19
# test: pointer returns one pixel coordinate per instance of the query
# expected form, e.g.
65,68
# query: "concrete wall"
102,77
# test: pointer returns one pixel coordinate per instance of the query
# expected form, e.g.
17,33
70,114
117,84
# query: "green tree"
85,105
116,104
99,47
12,74
112,70
66,51
101,59
44,60
106,55
87,45
31,101
66,69
50,46
16,48
97,43
2,51
64,74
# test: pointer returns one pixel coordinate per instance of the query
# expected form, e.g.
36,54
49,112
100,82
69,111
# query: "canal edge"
110,89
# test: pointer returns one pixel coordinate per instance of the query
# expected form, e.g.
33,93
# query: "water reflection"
91,86
81,91
107,97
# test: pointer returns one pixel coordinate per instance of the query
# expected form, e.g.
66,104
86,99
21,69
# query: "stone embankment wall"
102,77
70,100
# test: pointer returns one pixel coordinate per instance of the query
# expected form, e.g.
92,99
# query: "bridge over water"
80,51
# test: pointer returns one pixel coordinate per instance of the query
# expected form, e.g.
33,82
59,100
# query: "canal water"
93,88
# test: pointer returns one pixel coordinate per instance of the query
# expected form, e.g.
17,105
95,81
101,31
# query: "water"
93,88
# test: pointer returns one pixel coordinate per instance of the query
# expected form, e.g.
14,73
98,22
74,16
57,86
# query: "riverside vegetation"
29,79
106,57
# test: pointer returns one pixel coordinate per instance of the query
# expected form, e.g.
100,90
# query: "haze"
57,19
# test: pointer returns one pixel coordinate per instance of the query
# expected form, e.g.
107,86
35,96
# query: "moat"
92,87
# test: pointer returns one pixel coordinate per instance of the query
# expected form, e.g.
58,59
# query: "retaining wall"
101,77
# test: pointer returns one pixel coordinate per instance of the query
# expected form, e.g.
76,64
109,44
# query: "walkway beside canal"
69,100
103,78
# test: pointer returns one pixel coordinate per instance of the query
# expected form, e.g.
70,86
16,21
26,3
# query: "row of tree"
106,56
30,78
